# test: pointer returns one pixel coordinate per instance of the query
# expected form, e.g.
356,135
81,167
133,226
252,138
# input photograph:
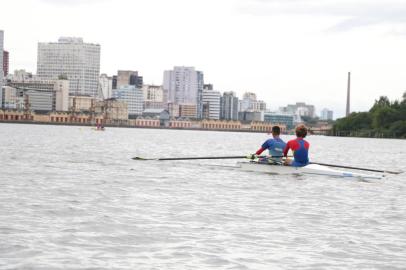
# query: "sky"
285,51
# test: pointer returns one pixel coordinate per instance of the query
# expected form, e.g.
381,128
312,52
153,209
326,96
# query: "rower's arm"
260,150
286,150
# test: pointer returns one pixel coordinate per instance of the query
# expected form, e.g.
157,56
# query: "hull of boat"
309,169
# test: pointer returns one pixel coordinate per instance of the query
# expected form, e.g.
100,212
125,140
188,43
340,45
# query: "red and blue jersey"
275,147
300,150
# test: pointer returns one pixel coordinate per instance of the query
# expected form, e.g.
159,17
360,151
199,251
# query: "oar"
355,168
191,158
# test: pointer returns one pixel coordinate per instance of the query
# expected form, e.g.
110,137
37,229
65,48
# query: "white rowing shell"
309,169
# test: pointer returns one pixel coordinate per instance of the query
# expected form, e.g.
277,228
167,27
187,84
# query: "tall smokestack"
347,109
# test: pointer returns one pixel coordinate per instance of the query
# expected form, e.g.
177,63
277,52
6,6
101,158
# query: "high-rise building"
131,95
1,66
106,86
129,77
326,114
249,103
183,85
229,106
70,57
5,62
211,103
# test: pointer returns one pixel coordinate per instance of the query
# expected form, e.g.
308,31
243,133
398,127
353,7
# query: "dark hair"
301,131
276,130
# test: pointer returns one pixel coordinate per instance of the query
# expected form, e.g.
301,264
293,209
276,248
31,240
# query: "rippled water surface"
72,198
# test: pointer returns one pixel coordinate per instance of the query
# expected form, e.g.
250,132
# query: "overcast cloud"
285,51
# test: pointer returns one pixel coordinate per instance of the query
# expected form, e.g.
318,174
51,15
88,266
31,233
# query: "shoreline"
126,126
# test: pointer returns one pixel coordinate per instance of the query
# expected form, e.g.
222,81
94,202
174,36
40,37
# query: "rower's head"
301,131
276,131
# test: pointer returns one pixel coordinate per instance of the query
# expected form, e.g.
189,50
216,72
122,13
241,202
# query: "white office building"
183,85
132,96
211,104
1,66
71,57
153,93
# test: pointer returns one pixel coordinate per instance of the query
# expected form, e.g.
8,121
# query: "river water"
72,198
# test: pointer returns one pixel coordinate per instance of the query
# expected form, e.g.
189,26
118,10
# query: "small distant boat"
99,128
312,169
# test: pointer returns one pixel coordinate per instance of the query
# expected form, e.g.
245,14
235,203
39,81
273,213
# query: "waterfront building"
81,103
326,114
1,65
184,85
134,98
106,86
70,57
128,77
279,119
147,122
14,115
211,103
160,114
113,110
220,124
265,127
6,64
41,95
180,124
229,106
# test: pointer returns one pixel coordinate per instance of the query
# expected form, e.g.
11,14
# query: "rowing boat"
313,169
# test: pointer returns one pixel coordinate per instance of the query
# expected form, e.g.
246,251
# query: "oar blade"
141,158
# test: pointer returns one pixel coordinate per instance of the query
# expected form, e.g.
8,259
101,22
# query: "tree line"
385,119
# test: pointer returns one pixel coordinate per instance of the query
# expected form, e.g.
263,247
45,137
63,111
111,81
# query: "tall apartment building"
211,104
326,114
5,62
71,57
229,106
183,85
1,66
133,97
129,77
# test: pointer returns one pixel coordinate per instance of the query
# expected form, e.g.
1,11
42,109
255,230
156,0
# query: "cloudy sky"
284,50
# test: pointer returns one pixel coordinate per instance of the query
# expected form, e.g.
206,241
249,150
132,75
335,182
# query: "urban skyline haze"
284,51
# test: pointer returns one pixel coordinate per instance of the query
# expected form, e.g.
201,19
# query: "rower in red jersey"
300,148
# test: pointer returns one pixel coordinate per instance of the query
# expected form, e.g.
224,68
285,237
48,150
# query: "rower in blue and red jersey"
300,148
275,146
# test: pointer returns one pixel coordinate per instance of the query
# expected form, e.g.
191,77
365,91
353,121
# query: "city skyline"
281,50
